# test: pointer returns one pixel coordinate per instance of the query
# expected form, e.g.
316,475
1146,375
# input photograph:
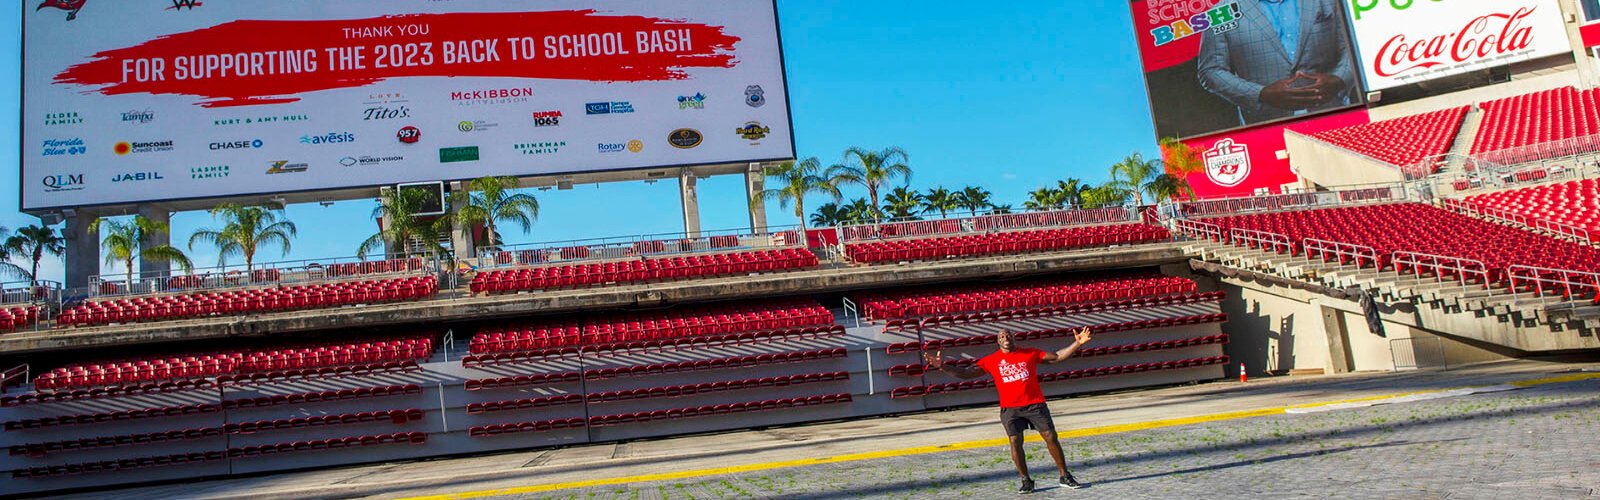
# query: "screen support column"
152,269
83,248
755,181
691,203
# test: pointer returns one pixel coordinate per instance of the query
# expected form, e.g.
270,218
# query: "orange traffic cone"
1242,377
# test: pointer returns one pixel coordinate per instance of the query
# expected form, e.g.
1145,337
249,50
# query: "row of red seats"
524,404
35,450
323,396
1042,240
918,369
12,318
649,326
63,396
271,275
677,391
722,409
413,438
523,381
1124,326
619,348
642,270
944,320
254,301
935,389
115,416
1402,142
1537,118
1418,228
1060,291
220,364
715,364
296,375
1575,203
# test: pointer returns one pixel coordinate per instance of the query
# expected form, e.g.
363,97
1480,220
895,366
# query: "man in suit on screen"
1280,58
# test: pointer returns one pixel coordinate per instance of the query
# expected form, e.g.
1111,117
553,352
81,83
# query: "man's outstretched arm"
935,360
1082,337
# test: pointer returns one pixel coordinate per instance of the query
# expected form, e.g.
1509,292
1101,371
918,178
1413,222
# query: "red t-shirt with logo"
1015,376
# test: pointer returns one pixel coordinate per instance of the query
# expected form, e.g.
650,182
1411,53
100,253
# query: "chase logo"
221,146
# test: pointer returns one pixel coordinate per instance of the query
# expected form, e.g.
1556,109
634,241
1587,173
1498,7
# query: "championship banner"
1244,162
145,100
1404,43
1217,65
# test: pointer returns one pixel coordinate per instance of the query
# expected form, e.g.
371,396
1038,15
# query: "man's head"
1007,344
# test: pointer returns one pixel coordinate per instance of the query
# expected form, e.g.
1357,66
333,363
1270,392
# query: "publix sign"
1403,42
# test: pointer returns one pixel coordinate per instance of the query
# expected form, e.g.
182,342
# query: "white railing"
1478,210
1345,252
633,247
1443,267
1573,285
1571,149
261,274
984,223
30,292
1360,195
1201,230
1262,240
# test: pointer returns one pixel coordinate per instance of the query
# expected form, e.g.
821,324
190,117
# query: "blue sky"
1007,95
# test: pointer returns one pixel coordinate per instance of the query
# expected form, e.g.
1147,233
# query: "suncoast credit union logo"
62,182
131,148
63,147
1227,163
285,167
608,108
208,173
540,148
491,96
547,119
328,138
245,144
62,119
696,101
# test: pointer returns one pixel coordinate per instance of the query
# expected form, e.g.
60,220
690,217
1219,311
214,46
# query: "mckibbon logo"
133,148
1228,164
492,96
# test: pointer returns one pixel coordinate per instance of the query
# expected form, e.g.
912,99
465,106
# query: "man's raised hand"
1083,336
935,359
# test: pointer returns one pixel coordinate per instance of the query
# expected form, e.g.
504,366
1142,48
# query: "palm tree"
1168,186
872,169
492,200
34,242
1104,196
1182,161
974,198
1002,209
1132,176
1043,199
902,203
796,181
859,211
123,242
7,251
398,209
828,215
940,200
1071,190
245,229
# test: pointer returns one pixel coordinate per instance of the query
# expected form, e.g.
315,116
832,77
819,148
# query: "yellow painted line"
984,443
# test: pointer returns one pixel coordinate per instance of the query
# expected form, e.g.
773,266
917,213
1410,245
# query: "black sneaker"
1069,482
1027,487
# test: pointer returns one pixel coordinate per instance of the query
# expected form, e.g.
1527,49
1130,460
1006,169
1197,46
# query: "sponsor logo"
1489,37
541,148
138,117
491,96
608,108
1227,163
258,120
369,161
71,6
61,119
128,148
475,126
696,101
409,135
1219,19
184,4
635,146
753,132
458,155
685,138
250,144
137,177
612,147
209,173
64,147
386,113
328,138
284,167
547,119
755,96
65,182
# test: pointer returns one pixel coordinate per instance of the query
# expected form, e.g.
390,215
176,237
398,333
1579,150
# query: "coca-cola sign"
1410,42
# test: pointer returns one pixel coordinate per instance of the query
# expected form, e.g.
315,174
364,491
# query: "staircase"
1522,321
1461,149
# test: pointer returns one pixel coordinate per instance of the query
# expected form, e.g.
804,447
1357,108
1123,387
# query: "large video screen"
1218,65
1403,43
148,100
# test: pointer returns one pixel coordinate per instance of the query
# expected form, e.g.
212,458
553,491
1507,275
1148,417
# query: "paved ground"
1505,439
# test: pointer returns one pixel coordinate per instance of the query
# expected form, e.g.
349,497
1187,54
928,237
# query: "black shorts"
1035,416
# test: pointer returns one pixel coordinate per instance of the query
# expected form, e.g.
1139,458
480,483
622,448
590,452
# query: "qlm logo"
1227,163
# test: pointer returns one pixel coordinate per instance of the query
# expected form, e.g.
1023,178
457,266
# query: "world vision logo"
73,6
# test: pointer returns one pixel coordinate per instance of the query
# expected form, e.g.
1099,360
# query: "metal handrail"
1356,195
1443,266
1262,240
1323,249
870,231
295,272
633,247
1569,282
1474,209
11,376
1198,229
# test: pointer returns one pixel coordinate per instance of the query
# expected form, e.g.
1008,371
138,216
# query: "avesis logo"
328,138
59,183
223,146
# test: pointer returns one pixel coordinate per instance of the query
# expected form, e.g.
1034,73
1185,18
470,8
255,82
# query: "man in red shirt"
1016,377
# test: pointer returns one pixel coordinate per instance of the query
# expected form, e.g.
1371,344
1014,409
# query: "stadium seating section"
216,365
700,321
912,303
1418,228
1012,242
253,301
658,415
1402,141
14,318
642,270
987,383
1536,118
414,438
1575,203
